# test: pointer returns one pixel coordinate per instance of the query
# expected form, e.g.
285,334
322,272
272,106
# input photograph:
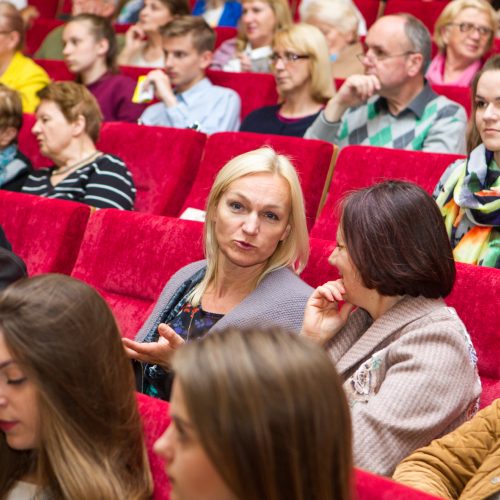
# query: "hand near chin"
322,317
245,61
162,86
156,353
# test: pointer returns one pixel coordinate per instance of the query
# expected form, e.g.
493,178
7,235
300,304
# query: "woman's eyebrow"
6,363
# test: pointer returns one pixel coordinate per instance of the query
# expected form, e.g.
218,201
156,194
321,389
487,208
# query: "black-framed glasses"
468,27
378,55
287,57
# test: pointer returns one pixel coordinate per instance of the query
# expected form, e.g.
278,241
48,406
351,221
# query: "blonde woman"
250,51
339,23
303,79
69,424
463,33
256,242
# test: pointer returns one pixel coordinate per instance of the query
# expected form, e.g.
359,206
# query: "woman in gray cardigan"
407,362
255,242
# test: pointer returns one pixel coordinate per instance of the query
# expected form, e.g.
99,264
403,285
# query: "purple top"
114,94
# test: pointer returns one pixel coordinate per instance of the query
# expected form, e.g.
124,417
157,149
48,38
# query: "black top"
23,167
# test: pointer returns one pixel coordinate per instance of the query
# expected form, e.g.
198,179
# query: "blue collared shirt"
205,107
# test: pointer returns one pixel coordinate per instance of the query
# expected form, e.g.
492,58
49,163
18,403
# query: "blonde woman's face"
292,75
258,22
190,471
19,411
335,39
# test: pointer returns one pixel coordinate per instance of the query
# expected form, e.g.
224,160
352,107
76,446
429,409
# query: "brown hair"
270,412
473,137
177,7
13,21
64,336
74,99
395,236
11,108
203,35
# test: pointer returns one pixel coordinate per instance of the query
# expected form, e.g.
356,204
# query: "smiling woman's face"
19,410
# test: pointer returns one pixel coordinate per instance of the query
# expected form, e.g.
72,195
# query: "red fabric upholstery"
56,69
36,34
318,270
427,12
29,145
155,419
129,257
164,162
223,33
255,89
360,166
311,158
46,8
369,9
476,298
462,95
46,233
371,487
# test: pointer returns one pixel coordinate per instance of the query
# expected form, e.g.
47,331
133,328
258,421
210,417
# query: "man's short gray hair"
419,37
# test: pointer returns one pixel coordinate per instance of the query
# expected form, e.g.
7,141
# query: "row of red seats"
129,257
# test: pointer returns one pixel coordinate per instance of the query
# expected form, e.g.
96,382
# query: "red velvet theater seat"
36,34
163,161
361,166
427,12
56,69
461,95
318,270
155,419
46,233
129,257
476,298
312,160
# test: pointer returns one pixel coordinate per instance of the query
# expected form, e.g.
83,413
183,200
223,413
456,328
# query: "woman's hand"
322,317
156,353
245,61
134,38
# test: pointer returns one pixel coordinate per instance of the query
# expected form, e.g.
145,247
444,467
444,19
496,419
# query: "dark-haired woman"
90,52
468,193
407,362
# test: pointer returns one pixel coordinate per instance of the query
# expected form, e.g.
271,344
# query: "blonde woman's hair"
340,14
281,9
453,9
64,336
308,40
270,413
13,21
293,251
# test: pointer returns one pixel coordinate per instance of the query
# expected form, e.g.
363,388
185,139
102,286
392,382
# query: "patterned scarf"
8,170
469,199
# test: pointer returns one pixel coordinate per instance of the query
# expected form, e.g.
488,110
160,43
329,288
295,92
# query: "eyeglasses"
378,55
287,57
467,27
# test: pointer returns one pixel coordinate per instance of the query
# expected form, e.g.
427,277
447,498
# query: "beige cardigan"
410,377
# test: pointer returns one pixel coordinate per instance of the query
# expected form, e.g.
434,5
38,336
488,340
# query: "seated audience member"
218,12
90,52
14,166
463,464
464,33
265,416
16,70
339,23
64,433
468,193
12,267
251,49
255,241
406,359
303,80
143,41
28,12
52,45
187,97
67,126
129,13
391,105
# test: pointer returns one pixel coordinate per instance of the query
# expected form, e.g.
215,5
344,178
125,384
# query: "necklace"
60,171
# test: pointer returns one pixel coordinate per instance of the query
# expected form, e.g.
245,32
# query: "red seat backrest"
255,89
36,34
223,33
361,166
427,12
155,419
369,9
462,95
318,271
129,257
312,160
163,161
46,8
56,69
46,233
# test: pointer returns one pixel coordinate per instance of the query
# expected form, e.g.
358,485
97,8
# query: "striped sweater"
104,183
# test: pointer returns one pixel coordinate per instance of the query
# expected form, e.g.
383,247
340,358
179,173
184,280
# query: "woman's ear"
79,125
445,34
102,47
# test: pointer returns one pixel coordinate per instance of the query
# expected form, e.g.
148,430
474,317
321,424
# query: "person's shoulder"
289,283
265,111
445,108
110,163
184,273
224,92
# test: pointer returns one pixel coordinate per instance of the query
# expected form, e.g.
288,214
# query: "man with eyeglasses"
392,105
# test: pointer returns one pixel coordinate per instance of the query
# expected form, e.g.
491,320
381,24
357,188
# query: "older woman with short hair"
463,33
67,126
406,359
303,80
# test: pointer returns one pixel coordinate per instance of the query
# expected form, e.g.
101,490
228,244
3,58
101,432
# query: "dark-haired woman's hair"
65,338
177,7
395,236
473,138
270,412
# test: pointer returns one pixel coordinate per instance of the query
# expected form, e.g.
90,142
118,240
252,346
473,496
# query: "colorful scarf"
469,197
8,169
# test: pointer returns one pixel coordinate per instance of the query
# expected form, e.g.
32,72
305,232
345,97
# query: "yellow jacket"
25,76
464,464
